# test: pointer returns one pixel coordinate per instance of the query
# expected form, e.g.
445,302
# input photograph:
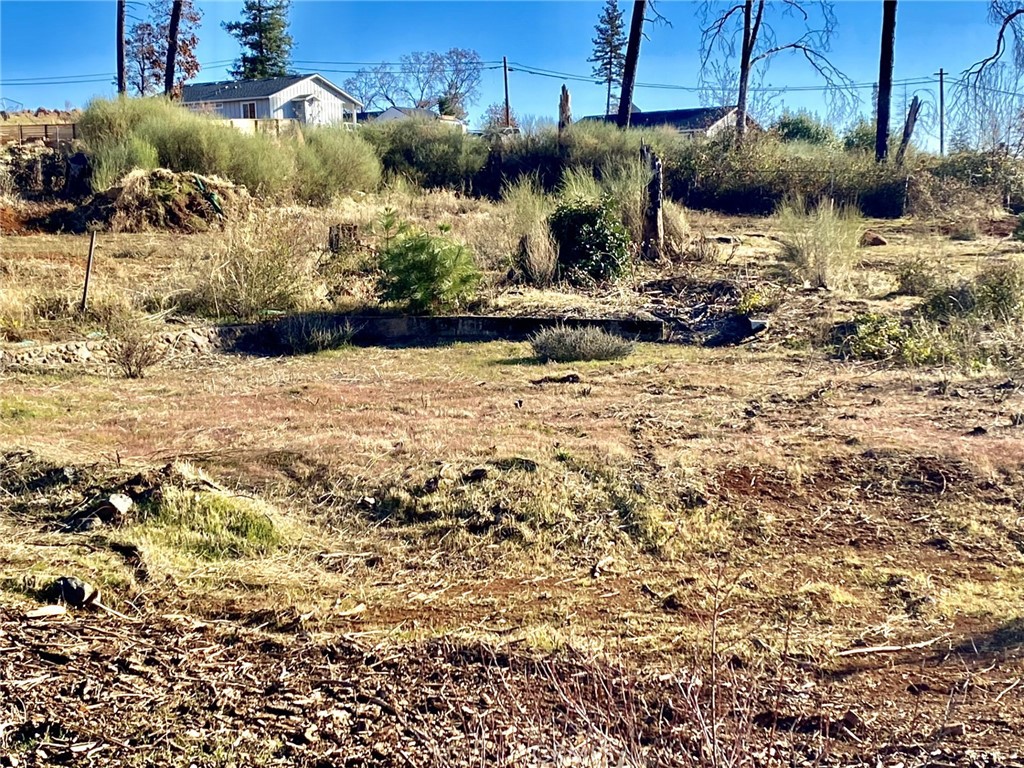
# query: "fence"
49,134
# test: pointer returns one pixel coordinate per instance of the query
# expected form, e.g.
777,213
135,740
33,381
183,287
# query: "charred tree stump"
654,223
908,128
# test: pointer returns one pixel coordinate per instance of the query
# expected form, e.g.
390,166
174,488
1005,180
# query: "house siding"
232,110
329,108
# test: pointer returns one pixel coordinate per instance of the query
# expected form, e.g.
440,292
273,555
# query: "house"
309,99
699,121
409,113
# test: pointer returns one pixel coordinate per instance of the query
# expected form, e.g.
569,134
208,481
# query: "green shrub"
430,154
821,243
592,244
916,278
996,294
803,127
425,272
875,336
122,134
563,344
335,161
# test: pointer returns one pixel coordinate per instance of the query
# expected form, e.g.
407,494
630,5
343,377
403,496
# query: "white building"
309,99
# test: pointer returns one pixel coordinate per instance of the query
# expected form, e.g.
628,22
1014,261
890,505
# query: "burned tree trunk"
636,31
908,128
885,64
172,48
654,224
122,80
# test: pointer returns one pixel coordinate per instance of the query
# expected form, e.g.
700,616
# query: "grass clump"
425,272
821,242
310,333
214,525
563,344
132,350
535,254
592,245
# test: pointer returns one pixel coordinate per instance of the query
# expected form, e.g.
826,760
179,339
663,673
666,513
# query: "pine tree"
263,35
609,58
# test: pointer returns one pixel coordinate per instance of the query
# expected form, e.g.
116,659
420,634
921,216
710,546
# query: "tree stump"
654,223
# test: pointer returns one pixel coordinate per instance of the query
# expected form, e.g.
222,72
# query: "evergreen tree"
609,57
263,35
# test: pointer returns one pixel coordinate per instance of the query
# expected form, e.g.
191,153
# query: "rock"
871,239
952,730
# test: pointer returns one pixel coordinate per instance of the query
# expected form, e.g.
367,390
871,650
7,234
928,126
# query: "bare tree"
751,23
987,111
122,82
885,65
148,47
1009,16
449,81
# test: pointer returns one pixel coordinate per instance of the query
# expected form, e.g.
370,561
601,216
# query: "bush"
995,294
874,336
132,350
335,161
821,243
803,127
430,154
564,345
425,272
122,134
263,264
592,244
916,278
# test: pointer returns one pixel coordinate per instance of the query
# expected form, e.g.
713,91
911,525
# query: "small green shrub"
563,344
426,272
916,278
875,336
592,244
821,243
803,127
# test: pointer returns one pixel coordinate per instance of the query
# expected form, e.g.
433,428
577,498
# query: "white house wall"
232,110
328,109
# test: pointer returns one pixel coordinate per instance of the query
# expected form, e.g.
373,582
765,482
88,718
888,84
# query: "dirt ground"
743,555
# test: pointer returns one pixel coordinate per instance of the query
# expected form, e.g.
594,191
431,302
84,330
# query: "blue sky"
50,39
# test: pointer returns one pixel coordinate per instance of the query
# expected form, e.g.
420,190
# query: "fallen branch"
890,648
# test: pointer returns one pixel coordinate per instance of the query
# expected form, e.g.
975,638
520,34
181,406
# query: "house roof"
248,90
696,119
416,112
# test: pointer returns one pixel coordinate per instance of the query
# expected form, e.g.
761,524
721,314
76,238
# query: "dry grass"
821,243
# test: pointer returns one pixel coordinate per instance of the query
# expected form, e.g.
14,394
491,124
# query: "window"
249,110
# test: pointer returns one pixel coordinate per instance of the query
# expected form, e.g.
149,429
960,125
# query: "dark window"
249,110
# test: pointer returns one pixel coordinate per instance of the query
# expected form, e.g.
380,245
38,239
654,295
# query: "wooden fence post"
88,272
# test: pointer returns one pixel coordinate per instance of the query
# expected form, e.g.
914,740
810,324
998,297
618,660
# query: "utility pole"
122,86
942,111
508,112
